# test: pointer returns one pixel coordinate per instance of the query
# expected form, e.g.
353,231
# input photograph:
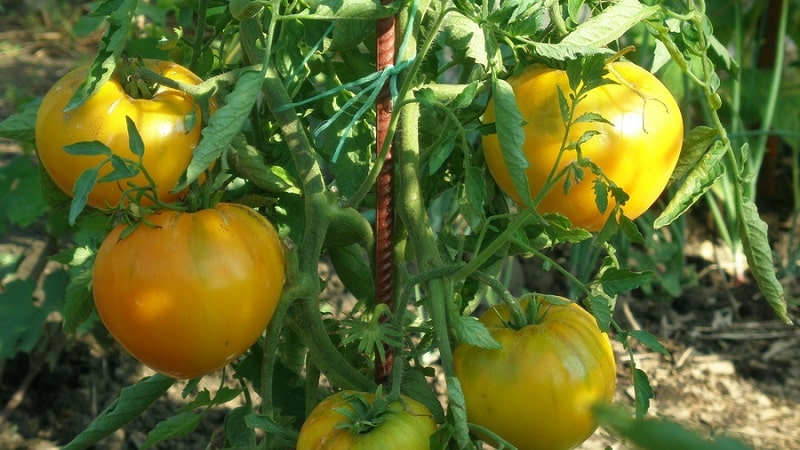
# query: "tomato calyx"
362,415
134,84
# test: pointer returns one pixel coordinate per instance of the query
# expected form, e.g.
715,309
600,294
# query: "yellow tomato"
336,423
187,293
538,390
169,124
637,150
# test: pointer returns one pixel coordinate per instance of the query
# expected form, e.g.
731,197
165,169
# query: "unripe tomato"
537,392
165,123
193,291
334,425
637,150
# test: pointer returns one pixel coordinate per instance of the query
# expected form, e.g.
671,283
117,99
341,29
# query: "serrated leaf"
130,404
465,37
755,243
561,52
699,180
600,195
470,330
601,310
509,122
225,124
616,281
648,340
354,10
119,22
174,427
79,303
695,144
610,24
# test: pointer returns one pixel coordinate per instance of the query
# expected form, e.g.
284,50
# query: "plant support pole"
384,195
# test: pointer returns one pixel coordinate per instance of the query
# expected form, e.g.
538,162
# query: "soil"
734,369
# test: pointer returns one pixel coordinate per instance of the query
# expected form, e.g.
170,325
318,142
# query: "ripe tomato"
637,150
335,424
537,392
162,121
192,292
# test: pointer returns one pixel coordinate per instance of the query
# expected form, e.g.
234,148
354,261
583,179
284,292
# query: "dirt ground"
734,369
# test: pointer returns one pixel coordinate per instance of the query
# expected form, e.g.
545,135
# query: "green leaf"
351,264
21,197
470,330
120,20
660,434
465,37
83,186
755,243
609,25
90,148
248,163
21,125
561,52
174,427
600,306
237,433
509,123
416,386
642,392
130,404
354,10
79,302
699,180
648,340
134,138
616,281
695,144
224,126
458,410
272,427
22,320
122,169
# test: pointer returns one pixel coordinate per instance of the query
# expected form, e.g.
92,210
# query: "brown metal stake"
384,220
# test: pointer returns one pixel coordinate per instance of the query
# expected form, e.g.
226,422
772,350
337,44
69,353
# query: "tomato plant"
187,293
167,119
351,420
373,135
638,141
538,390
